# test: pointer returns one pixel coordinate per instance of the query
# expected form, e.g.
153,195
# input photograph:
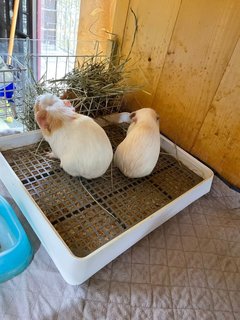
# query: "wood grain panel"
203,41
95,23
218,142
156,20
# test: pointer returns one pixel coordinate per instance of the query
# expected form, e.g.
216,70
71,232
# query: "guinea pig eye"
157,118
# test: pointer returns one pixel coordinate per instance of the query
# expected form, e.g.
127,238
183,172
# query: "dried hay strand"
95,87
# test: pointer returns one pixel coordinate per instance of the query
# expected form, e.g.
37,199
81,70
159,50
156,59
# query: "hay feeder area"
85,224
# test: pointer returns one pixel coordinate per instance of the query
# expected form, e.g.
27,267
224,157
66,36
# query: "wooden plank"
204,38
101,21
118,18
94,24
218,142
156,20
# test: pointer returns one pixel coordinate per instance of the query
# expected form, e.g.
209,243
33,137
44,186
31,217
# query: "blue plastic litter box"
15,249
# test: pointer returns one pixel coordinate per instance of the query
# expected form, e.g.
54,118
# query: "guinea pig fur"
77,140
47,100
137,155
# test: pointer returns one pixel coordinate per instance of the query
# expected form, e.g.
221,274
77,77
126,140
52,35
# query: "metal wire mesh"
12,80
54,67
79,220
35,66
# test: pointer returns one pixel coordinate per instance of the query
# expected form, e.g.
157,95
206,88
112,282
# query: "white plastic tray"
76,270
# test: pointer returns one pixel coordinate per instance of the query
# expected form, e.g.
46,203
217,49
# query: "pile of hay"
95,88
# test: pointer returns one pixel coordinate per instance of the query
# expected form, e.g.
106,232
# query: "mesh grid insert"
80,221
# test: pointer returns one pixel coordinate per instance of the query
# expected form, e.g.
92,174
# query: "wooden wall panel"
95,21
156,20
218,142
101,20
204,38
119,18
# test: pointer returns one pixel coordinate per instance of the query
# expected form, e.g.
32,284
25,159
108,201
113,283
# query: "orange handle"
12,31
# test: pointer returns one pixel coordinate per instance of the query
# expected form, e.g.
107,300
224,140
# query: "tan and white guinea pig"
138,153
77,140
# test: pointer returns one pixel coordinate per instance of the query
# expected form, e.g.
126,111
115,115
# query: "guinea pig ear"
133,116
67,103
157,117
41,118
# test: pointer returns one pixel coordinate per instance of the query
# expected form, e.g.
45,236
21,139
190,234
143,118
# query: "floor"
189,268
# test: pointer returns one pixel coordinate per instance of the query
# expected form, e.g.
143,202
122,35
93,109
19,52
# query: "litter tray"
15,249
85,224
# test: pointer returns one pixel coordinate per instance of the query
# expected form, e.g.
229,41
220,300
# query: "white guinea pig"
77,140
138,153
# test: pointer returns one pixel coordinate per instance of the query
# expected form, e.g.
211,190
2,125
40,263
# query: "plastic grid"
78,218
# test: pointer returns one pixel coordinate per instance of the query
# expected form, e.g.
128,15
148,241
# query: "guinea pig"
137,155
77,140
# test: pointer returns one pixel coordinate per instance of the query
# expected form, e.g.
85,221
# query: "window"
59,25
